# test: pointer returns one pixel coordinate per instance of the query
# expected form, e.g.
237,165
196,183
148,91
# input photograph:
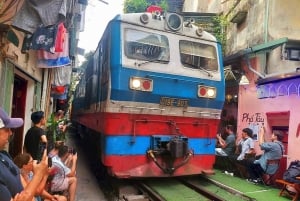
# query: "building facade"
263,43
27,84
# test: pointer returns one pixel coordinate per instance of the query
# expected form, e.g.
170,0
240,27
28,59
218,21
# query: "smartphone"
74,151
49,162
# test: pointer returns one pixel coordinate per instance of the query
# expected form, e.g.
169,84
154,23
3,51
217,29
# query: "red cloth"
58,89
154,8
60,38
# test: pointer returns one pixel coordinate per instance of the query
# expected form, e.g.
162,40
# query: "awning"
269,46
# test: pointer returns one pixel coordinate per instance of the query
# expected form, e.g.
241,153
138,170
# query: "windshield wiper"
204,70
145,62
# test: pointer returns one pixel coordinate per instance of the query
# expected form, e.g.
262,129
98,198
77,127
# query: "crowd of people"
37,173
242,152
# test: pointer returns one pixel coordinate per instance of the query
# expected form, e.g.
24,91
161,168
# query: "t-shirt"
61,172
230,145
32,141
247,144
10,180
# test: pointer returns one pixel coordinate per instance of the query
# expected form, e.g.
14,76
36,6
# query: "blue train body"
151,97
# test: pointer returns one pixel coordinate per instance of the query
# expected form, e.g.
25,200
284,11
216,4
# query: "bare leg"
72,188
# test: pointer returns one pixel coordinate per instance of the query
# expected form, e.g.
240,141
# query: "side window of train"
198,55
146,46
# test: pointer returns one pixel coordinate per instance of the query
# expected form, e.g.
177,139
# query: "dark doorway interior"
18,110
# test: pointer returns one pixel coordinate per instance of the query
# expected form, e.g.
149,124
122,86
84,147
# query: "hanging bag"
292,172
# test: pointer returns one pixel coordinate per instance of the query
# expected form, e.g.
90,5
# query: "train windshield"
198,55
147,46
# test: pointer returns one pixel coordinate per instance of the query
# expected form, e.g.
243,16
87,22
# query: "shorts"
60,185
220,152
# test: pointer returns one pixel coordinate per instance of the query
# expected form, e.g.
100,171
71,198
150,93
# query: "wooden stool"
285,191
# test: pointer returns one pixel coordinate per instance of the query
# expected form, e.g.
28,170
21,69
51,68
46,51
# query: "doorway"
280,121
18,110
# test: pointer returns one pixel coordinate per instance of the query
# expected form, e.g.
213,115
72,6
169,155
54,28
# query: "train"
149,102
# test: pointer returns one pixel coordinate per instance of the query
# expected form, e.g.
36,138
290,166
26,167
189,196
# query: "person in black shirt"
35,137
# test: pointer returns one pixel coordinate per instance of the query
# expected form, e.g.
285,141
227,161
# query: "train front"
166,97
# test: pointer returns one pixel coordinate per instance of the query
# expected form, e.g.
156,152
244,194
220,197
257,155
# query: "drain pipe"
252,69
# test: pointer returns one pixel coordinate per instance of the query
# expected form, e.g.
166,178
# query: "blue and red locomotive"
151,97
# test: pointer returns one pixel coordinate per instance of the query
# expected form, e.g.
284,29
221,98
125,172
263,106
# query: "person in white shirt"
64,178
246,144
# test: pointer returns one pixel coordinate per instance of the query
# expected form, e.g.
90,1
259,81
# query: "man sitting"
227,146
272,151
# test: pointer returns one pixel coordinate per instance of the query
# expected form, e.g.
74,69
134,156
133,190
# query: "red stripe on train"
144,124
142,166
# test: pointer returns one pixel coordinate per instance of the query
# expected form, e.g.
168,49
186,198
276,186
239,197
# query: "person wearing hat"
10,183
272,151
35,137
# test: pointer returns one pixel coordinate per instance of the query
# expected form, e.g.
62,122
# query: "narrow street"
88,188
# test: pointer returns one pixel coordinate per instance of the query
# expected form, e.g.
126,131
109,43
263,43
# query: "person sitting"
25,163
272,151
246,144
64,178
54,151
244,149
227,146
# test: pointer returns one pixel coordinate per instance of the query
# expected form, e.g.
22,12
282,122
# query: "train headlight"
174,21
136,83
206,91
144,18
141,84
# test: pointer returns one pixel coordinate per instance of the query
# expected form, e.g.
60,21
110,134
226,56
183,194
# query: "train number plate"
166,101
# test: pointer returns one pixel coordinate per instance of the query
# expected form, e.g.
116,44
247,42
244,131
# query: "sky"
97,15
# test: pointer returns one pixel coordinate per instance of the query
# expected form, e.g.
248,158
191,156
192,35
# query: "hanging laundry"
62,76
59,92
44,38
57,59
33,13
60,38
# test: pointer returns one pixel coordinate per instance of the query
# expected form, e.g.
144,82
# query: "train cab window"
146,46
198,55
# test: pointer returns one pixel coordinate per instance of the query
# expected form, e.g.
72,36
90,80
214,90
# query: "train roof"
169,22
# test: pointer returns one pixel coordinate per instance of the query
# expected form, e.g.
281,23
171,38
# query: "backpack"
292,172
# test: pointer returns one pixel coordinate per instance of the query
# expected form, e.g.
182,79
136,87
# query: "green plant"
220,23
53,132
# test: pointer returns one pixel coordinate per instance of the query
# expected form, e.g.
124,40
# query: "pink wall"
282,110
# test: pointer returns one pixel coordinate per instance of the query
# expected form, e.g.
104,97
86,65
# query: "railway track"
183,189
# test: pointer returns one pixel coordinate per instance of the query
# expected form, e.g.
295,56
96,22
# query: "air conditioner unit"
293,54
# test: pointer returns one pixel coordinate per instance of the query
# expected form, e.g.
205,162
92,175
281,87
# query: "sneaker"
229,173
254,181
249,180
